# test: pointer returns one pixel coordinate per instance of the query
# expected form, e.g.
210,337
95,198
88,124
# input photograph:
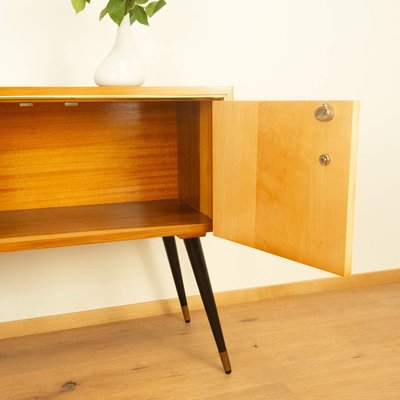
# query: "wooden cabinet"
90,165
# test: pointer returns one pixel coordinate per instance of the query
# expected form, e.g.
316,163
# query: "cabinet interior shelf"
64,226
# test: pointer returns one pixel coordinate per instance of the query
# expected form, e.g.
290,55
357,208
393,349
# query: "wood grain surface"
114,93
55,156
194,127
66,226
341,345
270,191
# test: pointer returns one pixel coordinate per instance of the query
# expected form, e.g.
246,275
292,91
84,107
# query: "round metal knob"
324,113
324,160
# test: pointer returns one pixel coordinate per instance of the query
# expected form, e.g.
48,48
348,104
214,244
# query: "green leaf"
154,7
78,5
132,16
131,5
87,1
103,13
116,9
141,16
141,1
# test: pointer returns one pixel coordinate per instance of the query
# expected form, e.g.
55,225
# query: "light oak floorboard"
276,391
341,345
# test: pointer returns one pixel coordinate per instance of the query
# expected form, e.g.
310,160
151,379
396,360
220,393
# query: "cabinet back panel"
54,156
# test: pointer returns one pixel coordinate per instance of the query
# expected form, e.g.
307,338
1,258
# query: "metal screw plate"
324,159
324,113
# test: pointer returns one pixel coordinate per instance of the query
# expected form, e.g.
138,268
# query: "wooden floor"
341,345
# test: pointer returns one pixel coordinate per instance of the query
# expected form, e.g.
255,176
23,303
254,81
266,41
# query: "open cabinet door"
271,188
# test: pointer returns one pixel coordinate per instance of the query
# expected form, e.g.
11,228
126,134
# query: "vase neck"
124,35
125,24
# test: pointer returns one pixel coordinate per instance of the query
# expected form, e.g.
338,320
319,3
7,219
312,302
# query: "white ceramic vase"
123,66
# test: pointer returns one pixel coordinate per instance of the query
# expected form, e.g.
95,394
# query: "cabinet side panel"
188,133
195,155
206,158
352,183
55,156
235,135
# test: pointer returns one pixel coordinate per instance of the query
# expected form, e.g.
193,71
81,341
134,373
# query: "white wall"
287,49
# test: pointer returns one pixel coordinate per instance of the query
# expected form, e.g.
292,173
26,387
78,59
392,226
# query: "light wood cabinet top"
117,93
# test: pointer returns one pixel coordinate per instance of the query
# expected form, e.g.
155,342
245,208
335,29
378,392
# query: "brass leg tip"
186,314
225,362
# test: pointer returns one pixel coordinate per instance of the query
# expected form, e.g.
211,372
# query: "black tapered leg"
172,254
196,256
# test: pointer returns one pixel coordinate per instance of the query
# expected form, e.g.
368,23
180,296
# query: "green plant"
138,10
